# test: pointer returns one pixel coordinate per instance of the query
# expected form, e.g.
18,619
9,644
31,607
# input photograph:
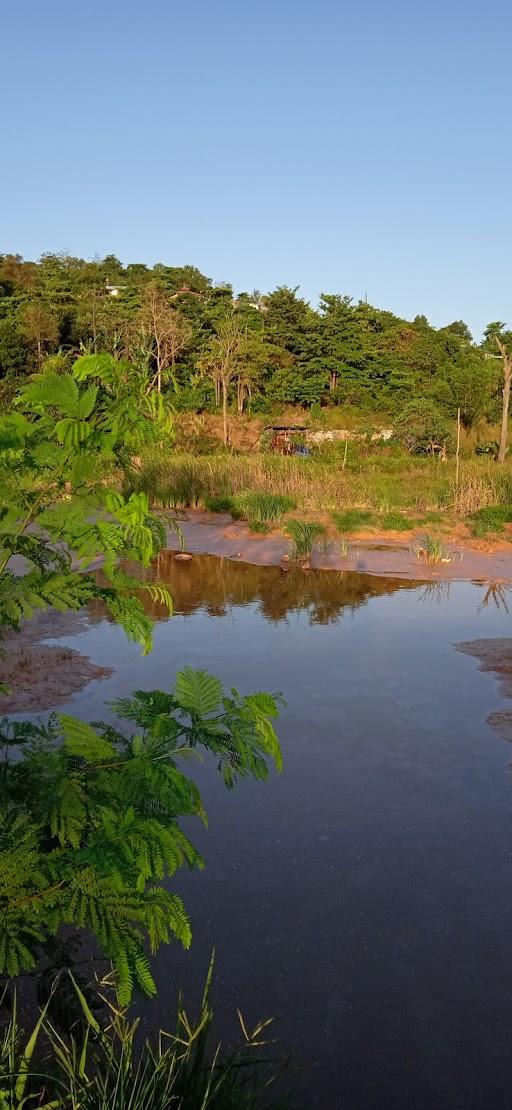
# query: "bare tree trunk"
225,411
239,396
39,351
333,380
504,416
217,392
94,330
507,375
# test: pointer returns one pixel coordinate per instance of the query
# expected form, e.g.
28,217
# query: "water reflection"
216,585
497,593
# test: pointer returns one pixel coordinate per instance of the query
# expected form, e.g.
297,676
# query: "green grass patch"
490,520
259,526
352,519
221,504
264,508
395,522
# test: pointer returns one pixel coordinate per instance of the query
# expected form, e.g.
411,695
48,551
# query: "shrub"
422,428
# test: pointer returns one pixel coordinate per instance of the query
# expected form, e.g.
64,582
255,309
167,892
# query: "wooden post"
457,458
345,455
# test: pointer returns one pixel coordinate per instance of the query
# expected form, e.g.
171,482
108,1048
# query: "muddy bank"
495,656
42,676
387,554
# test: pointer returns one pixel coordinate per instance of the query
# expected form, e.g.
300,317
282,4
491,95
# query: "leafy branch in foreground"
89,819
60,514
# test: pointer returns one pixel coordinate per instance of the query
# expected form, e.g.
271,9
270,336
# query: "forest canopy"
208,345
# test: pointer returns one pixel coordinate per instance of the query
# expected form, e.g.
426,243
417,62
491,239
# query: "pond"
364,896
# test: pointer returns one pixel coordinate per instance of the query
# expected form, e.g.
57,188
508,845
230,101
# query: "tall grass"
397,481
264,507
104,1066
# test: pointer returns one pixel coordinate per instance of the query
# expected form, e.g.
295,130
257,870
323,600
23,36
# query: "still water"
364,896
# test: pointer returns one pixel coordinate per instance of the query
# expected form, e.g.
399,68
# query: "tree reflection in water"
215,585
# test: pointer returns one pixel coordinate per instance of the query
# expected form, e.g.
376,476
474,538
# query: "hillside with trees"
214,349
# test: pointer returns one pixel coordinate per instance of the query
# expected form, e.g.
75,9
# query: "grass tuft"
432,550
304,534
264,508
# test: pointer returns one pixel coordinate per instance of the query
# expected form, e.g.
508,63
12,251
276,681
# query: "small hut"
285,438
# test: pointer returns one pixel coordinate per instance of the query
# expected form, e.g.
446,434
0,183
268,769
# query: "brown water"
364,896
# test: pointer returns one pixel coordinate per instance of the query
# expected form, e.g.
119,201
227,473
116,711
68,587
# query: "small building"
287,439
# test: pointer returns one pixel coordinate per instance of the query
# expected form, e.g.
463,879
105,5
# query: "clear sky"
360,148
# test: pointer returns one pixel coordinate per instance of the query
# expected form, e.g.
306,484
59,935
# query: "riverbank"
393,554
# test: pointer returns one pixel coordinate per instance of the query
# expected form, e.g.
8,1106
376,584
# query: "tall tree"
166,329
40,327
222,361
497,338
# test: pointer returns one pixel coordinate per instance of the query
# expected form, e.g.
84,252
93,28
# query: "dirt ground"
495,656
388,553
41,676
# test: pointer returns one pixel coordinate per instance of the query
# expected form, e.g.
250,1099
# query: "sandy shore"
390,554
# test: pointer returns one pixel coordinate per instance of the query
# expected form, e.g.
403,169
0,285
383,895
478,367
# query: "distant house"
286,438
113,290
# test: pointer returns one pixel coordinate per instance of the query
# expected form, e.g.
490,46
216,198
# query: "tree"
59,512
40,327
88,815
89,820
458,327
422,428
13,349
166,329
222,361
497,344
504,345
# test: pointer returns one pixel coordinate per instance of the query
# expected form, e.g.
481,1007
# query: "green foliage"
353,519
59,514
395,522
89,819
422,428
264,508
343,352
304,534
218,504
104,1066
490,520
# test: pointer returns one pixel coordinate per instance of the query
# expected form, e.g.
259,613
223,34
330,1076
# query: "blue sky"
360,148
